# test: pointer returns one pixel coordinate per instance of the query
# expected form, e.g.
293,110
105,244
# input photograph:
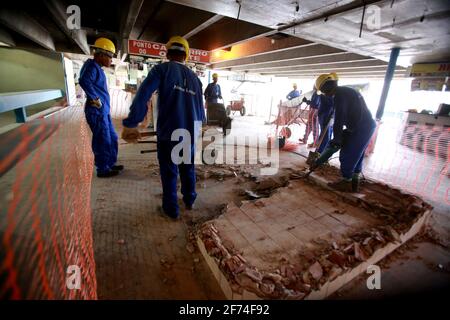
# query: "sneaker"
118,167
342,185
110,173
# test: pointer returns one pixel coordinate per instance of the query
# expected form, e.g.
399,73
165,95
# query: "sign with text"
155,49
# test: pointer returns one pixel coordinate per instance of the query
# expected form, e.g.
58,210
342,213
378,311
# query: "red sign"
155,49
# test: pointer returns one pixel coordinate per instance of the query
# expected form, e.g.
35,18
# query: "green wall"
22,70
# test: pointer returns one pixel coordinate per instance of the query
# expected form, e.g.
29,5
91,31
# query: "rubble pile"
297,277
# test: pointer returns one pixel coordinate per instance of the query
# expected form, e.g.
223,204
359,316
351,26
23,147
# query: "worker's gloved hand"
305,100
131,135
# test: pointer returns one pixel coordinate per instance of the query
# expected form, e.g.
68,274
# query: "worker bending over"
294,93
213,91
350,111
180,106
97,109
312,124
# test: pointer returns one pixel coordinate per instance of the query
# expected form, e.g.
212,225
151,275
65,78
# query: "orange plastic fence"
46,245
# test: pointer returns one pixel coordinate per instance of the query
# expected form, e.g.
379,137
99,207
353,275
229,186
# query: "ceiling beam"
302,52
59,14
28,27
369,62
378,69
127,23
343,57
203,26
6,38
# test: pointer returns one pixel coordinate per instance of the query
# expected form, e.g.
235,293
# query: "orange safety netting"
45,226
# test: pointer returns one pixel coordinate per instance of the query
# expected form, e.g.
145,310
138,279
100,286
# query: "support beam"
130,18
379,69
387,81
371,63
58,10
26,26
343,57
303,52
6,38
203,26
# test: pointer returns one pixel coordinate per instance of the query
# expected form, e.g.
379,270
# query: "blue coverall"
213,93
104,138
351,111
180,105
293,94
325,113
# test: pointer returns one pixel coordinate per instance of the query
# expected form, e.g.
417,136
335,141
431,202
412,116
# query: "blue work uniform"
104,138
293,94
351,111
180,106
213,93
325,113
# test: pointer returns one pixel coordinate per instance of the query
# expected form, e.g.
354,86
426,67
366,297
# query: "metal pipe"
387,81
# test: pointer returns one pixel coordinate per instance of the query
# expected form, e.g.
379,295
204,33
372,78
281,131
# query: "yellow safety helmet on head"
178,43
105,44
324,78
215,75
294,84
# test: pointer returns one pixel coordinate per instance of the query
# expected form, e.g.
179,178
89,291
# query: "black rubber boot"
342,185
356,180
118,167
110,173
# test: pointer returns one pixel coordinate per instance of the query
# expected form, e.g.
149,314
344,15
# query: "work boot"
118,167
356,180
110,173
171,216
189,206
342,185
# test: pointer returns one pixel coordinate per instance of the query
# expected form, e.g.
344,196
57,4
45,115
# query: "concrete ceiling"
270,37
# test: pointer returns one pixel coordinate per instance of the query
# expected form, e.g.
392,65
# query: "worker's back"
180,100
350,108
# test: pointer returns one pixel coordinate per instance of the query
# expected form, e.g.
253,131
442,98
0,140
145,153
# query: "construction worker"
180,106
97,108
350,111
313,123
213,91
294,93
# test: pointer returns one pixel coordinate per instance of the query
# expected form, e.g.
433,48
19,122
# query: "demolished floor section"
306,241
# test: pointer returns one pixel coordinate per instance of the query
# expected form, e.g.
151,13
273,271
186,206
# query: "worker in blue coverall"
213,91
350,111
97,108
294,93
325,114
180,106
313,123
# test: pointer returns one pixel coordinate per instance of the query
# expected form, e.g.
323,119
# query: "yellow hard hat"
105,44
215,75
175,42
294,84
324,78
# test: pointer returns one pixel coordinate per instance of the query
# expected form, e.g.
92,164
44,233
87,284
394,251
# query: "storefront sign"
155,49
430,70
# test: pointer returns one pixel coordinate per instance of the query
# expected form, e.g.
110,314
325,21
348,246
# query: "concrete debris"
121,241
252,195
316,271
360,254
190,248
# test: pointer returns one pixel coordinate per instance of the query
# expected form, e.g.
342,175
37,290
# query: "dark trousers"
104,140
352,152
169,174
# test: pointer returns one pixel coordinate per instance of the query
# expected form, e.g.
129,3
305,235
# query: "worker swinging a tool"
180,108
294,93
313,123
213,91
97,108
350,111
